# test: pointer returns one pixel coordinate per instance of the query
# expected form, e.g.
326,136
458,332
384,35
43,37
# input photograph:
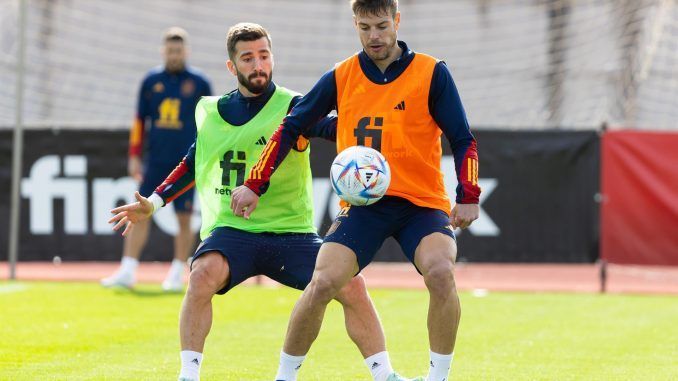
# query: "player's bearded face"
378,34
256,82
254,65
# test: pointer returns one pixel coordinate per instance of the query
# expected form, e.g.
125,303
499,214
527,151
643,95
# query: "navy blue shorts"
364,229
154,175
286,258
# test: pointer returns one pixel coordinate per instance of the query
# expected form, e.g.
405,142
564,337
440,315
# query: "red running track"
469,276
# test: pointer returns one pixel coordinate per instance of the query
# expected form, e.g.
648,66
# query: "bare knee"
353,292
439,279
322,289
435,257
209,275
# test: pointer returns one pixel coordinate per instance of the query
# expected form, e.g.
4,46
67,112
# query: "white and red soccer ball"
360,175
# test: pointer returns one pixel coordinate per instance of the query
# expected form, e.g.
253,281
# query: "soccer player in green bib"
279,240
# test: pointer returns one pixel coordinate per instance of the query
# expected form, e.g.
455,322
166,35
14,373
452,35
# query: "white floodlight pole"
18,144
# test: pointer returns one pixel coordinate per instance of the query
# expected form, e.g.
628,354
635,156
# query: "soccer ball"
360,175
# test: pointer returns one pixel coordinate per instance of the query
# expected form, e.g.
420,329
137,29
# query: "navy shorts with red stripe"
364,229
287,258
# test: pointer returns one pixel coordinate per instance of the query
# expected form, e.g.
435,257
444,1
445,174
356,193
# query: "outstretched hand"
243,201
131,213
463,215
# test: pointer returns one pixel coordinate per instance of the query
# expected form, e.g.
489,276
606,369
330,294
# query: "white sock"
176,269
129,265
439,369
380,366
288,367
190,365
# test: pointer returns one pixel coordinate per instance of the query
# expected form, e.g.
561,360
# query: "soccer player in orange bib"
399,102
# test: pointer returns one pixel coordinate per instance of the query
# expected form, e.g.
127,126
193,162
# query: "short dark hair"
175,33
374,7
245,31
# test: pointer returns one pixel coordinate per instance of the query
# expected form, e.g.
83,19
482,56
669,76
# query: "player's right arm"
311,108
177,183
136,136
314,106
181,179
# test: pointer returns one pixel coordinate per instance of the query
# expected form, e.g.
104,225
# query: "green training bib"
223,159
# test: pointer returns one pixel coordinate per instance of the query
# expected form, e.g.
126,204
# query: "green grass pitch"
79,331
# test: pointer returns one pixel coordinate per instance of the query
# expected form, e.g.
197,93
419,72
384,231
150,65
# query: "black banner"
537,203
543,200
538,200
71,179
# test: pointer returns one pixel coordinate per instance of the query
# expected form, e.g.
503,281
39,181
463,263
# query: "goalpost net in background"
517,63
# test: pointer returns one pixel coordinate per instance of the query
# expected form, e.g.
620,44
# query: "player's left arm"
447,110
324,128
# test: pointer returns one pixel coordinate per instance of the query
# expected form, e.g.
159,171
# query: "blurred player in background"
398,102
280,241
165,121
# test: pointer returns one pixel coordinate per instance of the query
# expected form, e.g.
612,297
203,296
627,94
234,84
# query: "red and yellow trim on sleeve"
469,176
472,171
167,191
262,171
257,171
136,137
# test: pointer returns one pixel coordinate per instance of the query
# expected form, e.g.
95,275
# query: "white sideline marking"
9,288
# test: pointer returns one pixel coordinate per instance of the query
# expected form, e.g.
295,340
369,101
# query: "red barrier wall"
639,213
